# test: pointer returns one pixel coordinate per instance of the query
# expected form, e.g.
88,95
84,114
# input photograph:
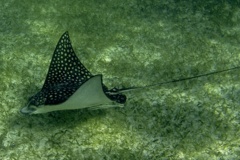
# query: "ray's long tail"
122,90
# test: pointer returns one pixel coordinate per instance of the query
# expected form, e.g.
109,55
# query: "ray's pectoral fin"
88,95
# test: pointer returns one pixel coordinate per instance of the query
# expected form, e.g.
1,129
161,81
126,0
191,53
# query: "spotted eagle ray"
69,85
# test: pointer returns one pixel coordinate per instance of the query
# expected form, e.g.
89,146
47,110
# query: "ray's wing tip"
66,33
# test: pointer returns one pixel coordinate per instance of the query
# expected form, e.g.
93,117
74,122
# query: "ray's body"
69,85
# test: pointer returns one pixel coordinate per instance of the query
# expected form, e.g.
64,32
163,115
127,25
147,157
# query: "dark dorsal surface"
65,67
65,75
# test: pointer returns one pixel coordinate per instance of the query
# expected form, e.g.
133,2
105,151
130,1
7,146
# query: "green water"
132,43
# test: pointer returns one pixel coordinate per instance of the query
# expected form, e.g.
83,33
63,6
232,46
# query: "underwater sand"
132,43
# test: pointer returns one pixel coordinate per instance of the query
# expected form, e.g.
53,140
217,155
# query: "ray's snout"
27,110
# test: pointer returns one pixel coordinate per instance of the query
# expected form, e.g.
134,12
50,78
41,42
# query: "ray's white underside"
89,95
